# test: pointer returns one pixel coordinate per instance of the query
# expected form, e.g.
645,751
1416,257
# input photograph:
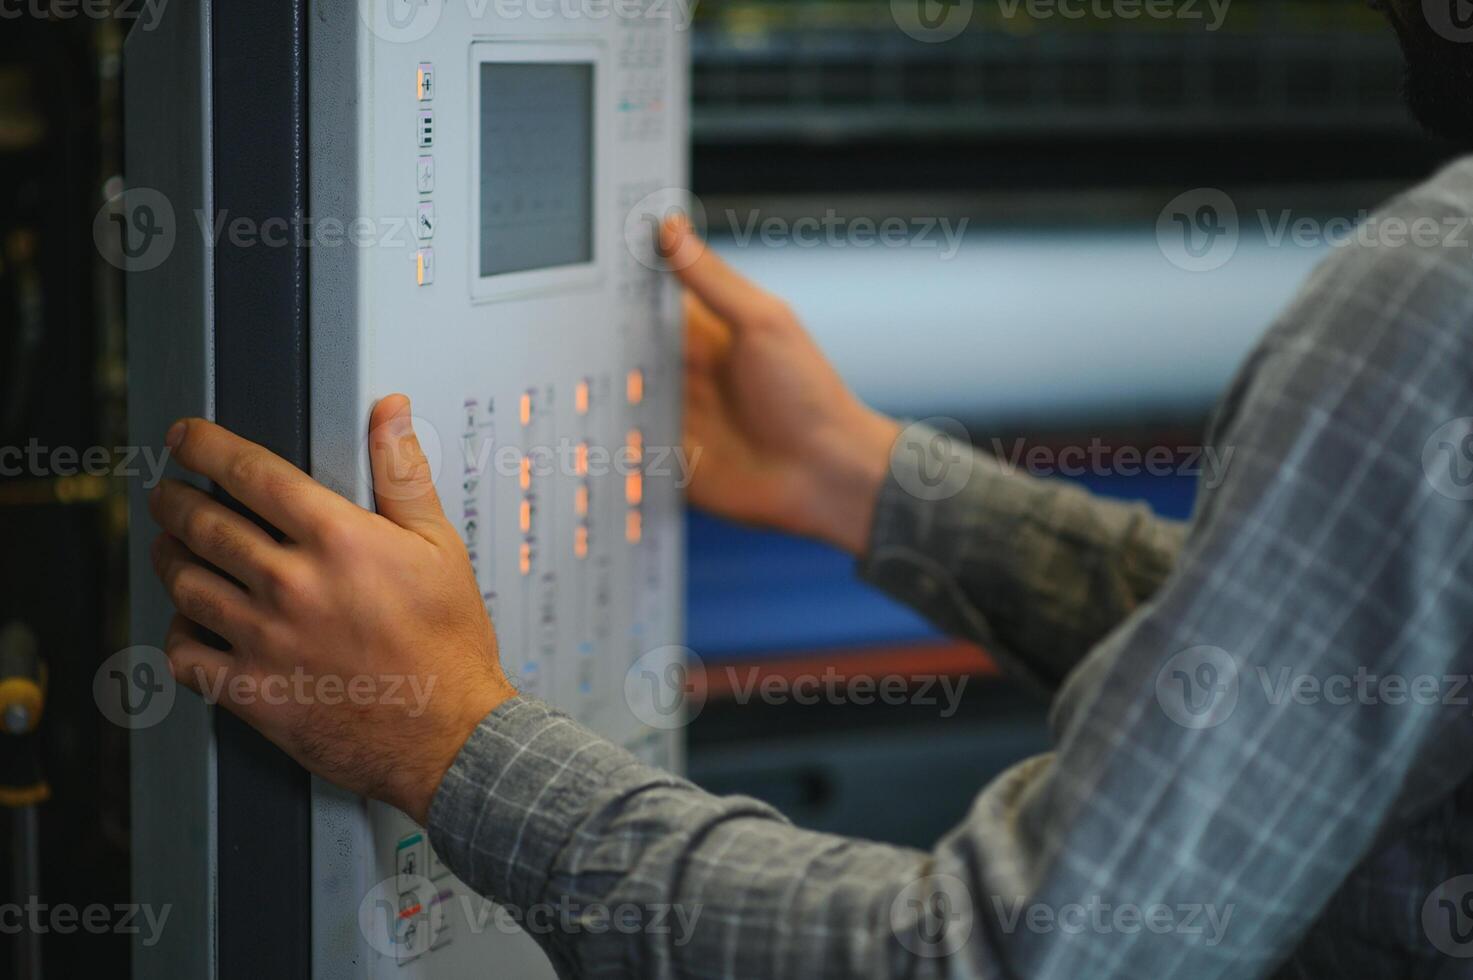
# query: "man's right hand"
783,442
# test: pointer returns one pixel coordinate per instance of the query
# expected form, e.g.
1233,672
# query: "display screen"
536,165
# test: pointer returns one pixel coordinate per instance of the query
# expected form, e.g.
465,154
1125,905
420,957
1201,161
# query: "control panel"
490,161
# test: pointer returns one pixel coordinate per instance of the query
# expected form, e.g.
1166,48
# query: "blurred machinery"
62,587
840,69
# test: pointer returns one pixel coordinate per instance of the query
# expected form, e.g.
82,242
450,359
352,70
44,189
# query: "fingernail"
401,426
671,232
175,435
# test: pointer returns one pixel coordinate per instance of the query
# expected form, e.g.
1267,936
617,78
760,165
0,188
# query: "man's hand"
782,442
360,644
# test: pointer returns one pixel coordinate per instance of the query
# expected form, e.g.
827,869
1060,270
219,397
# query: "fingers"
729,295
202,595
213,531
195,664
403,485
288,499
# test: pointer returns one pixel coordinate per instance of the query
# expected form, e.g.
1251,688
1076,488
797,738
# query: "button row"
424,174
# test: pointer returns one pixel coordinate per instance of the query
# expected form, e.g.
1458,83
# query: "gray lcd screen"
536,166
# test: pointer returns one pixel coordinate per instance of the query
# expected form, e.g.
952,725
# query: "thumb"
403,479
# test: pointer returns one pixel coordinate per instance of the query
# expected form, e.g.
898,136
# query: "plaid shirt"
1263,732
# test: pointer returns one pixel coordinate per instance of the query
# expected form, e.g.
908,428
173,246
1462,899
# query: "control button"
424,261
412,934
424,175
426,81
424,225
426,127
409,859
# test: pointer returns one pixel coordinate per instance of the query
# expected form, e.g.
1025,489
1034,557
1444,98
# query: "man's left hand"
359,643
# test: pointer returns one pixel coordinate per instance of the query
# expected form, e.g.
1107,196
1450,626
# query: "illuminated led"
580,398
525,518
580,459
634,489
526,477
580,541
635,442
525,561
580,501
634,526
634,386
526,412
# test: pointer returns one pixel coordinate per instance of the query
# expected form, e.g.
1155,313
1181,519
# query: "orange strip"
944,658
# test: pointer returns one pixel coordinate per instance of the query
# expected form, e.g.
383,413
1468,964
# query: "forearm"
539,813
1038,571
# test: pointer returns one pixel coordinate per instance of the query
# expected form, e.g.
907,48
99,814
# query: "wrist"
843,481
440,751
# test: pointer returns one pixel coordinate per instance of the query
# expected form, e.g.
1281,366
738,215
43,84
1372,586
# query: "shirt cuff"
947,514
514,795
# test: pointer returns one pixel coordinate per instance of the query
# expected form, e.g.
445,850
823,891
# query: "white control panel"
490,156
